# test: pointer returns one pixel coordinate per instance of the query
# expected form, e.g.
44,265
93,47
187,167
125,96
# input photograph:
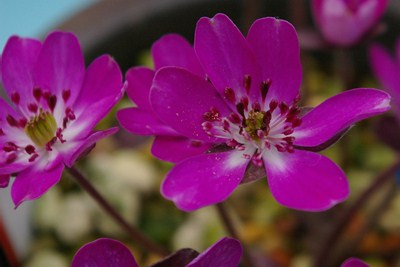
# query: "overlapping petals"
170,50
106,252
247,107
56,104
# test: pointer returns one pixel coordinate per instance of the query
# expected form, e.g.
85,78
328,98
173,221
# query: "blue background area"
34,18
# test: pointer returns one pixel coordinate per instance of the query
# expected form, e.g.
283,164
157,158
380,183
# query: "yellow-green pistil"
255,121
41,129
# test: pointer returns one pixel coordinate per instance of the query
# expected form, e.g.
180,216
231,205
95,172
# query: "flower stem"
348,215
229,227
134,233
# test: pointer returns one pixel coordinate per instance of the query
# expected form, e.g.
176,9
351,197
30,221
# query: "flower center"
255,128
255,122
41,128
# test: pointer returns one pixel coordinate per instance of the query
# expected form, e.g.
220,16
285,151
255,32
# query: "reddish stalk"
134,233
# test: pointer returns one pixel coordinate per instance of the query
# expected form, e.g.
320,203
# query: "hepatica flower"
106,252
247,107
170,50
53,107
345,22
353,262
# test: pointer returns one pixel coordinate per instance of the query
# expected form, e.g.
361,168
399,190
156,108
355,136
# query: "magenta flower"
55,105
106,252
170,50
247,106
353,262
345,22
387,70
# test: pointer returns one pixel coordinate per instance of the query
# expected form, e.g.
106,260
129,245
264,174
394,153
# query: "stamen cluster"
255,127
38,123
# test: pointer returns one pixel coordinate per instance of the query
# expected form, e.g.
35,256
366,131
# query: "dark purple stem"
134,233
247,259
348,215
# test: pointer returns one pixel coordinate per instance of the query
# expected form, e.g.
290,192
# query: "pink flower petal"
204,180
104,252
353,262
4,180
177,148
102,89
174,50
143,122
276,46
61,65
226,252
18,60
139,83
226,56
72,150
33,182
305,180
180,99
338,113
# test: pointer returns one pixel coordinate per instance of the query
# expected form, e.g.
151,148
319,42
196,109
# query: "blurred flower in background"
345,22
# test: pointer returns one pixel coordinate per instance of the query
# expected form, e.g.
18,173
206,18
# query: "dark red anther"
247,82
264,87
46,94
234,118
32,107
33,157
12,121
288,130
296,122
37,93
50,143
245,102
66,94
10,146
11,158
272,105
69,115
256,106
60,136
280,148
51,102
15,98
289,139
22,122
267,117
232,143
290,148
283,107
240,108
230,94
212,115
207,126
30,149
